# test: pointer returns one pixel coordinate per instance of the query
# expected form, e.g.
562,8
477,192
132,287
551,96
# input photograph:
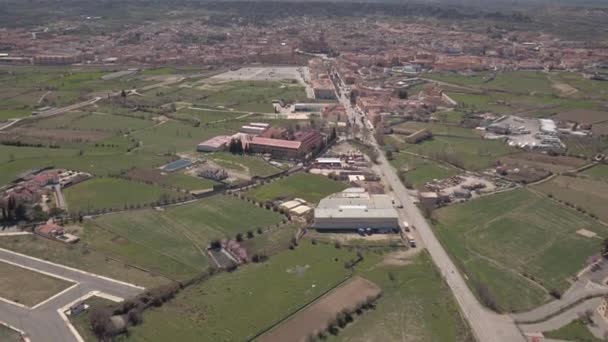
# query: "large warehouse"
355,209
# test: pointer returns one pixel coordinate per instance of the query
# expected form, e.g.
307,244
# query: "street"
486,325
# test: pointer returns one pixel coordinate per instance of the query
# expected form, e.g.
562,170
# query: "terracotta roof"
276,143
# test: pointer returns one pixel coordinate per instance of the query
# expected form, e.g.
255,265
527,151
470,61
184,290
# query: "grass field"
116,193
588,194
440,129
598,172
575,331
252,166
261,294
497,240
309,187
420,170
82,256
9,335
82,322
173,242
468,153
416,305
27,287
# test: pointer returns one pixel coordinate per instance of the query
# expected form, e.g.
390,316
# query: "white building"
355,209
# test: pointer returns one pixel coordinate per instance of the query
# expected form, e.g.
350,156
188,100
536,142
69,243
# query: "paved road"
42,322
486,325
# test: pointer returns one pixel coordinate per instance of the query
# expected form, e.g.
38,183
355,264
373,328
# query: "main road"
487,326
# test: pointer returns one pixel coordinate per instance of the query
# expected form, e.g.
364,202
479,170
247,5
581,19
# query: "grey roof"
362,206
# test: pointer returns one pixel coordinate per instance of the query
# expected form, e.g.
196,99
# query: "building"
323,89
214,144
309,107
302,144
548,126
355,209
249,129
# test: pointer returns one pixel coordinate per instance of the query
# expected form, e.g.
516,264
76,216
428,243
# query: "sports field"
28,287
517,245
114,193
309,187
235,306
172,242
416,305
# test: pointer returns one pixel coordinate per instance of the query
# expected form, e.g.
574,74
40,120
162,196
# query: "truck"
410,239
406,226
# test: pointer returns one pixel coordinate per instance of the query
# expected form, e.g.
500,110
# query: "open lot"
309,187
82,321
418,170
27,287
9,335
574,331
516,246
416,305
83,256
587,194
174,179
172,242
543,161
245,165
262,294
116,193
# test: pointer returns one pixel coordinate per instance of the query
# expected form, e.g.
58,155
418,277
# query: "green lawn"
184,181
105,193
172,242
416,305
253,166
235,306
574,331
309,187
469,153
498,239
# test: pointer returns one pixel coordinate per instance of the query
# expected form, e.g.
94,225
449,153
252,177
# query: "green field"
113,193
81,256
82,321
235,306
440,129
254,96
419,171
574,331
184,181
468,153
243,164
416,305
172,242
309,187
499,240
598,172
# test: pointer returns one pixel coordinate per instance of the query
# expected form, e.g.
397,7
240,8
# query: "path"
43,322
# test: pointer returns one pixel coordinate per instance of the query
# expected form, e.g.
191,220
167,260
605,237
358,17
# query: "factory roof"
217,141
352,203
276,143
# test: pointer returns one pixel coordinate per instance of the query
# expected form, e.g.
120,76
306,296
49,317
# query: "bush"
555,293
135,317
100,322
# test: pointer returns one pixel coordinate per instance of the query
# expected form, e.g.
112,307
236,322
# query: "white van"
406,226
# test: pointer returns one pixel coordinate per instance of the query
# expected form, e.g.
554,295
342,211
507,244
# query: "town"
427,172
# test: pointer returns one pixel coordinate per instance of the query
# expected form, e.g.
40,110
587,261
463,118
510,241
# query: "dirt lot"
146,175
27,287
544,161
315,317
582,116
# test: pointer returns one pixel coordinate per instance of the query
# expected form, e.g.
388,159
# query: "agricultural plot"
82,256
262,294
113,193
244,164
28,287
173,242
206,116
554,164
598,172
468,153
309,187
177,180
439,129
586,147
515,247
418,171
584,194
416,305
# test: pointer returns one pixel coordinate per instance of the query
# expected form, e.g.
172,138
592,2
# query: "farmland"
244,164
172,242
114,193
27,287
598,172
418,171
178,180
309,187
262,294
416,305
517,246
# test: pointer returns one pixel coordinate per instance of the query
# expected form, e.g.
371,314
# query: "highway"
486,325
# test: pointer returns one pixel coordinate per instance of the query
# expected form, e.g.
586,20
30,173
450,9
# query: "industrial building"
354,209
214,144
302,144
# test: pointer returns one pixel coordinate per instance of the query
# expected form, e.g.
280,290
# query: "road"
486,325
43,322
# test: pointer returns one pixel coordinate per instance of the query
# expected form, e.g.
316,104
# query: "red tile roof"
276,143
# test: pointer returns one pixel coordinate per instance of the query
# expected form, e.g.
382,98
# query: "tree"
402,94
334,135
239,237
605,247
100,321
